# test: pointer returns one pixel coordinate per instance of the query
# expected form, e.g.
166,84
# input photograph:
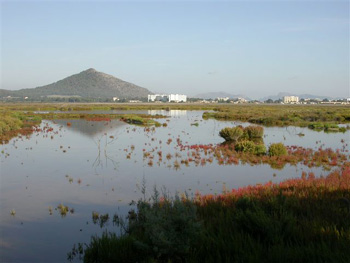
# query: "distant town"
93,86
182,98
178,98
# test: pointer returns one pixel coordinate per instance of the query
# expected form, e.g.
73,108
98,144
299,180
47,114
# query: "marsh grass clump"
13,123
260,149
245,146
99,219
236,134
253,132
63,209
232,134
277,149
246,140
140,120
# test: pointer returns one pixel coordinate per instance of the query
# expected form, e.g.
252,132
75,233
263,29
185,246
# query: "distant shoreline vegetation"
16,116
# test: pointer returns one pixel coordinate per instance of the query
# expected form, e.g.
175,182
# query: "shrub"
277,149
231,134
245,146
254,132
250,147
260,149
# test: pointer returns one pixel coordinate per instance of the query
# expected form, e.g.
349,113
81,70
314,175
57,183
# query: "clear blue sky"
255,48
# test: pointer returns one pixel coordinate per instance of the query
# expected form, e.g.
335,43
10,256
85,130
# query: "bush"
277,149
250,147
260,149
253,132
245,146
231,134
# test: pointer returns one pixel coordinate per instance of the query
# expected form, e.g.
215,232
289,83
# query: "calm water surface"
99,166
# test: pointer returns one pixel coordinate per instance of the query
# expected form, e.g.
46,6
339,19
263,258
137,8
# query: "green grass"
298,220
140,120
315,116
13,123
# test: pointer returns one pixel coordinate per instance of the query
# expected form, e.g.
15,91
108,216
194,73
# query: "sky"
254,48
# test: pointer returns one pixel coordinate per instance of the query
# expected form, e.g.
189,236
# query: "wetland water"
99,166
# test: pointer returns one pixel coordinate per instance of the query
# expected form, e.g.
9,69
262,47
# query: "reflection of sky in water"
36,175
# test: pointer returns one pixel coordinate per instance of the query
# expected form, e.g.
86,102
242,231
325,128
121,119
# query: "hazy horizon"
255,48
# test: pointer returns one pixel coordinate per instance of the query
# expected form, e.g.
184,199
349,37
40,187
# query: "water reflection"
96,166
171,113
102,144
90,128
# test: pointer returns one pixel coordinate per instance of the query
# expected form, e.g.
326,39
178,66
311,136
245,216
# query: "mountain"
301,96
219,94
87,84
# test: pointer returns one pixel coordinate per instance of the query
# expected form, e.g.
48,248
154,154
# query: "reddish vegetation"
27,130
304,187
225,154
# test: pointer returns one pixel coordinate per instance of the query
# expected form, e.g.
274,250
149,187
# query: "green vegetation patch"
277,149
139,120
12,123
298,220
315,116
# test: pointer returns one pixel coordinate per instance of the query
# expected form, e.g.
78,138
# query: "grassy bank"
298,220
315,116
13,123
318,117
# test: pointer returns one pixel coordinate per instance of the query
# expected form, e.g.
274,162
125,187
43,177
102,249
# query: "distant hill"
87,84
220,94
301,96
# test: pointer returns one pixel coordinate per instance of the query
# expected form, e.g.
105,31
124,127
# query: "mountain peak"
91,70
88,84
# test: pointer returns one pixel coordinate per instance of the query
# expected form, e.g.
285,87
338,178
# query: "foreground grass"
299,220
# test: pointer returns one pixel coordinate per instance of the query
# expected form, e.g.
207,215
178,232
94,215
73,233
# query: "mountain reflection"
90,128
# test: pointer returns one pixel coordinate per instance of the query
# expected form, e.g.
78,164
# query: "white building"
290,99
177,98
241,100
223,99
167,98
158,97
